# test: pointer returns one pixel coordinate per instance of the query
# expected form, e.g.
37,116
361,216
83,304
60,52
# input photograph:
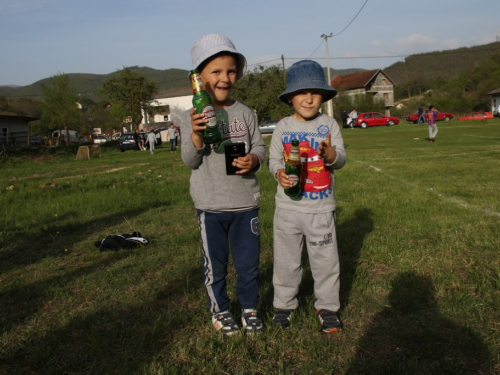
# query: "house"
371,82
495,102
167,107
15,130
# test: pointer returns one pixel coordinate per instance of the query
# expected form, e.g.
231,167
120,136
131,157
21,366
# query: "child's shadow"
350,236
411,336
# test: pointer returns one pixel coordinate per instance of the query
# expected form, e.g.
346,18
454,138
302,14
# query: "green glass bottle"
293,168
203,103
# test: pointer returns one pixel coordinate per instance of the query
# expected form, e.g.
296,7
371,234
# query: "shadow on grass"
50,241
412,337
350,236
118,340
21,301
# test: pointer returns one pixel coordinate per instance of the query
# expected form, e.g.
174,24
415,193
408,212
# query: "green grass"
418,232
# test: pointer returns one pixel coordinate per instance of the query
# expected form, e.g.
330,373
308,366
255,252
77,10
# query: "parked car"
127,142
267,127
441,116
367,119
100,138
476,116
62,136
37,140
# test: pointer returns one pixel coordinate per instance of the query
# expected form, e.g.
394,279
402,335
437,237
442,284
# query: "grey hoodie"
211,189
318,193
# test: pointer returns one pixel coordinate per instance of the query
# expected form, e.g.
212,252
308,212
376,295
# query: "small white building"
168,107
495,102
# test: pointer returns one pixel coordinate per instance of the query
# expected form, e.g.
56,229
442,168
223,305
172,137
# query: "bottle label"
209,114
196,83
294,156
294,179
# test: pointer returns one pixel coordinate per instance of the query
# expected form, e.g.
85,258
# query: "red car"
441,116
477,116
367,119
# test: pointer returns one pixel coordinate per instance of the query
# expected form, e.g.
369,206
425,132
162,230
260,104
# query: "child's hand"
326,151
283,179
246,163
198,124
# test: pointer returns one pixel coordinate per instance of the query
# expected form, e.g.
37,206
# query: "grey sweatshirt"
210,187
317,178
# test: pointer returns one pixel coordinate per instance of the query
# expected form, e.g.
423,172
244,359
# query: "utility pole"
284,71
329,103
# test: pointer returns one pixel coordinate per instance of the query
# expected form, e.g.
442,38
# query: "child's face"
306,104
219,77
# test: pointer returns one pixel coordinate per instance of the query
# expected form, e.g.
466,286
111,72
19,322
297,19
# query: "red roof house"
370,82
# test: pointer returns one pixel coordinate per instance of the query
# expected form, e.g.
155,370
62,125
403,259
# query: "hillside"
86,84
440,64
443,65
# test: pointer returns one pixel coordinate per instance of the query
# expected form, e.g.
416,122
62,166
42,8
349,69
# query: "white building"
168,107
495,102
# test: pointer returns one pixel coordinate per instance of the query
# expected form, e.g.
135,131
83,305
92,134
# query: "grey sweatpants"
291,229
433,130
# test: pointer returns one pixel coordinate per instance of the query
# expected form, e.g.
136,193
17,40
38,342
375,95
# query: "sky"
43,38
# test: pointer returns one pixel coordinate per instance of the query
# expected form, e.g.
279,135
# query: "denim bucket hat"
306,74
210,45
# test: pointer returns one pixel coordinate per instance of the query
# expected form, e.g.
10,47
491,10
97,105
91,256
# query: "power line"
349,24
345,28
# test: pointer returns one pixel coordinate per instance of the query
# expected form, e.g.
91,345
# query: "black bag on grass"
121,241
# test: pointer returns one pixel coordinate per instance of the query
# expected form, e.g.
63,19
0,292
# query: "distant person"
353,115
173,133
142,138
344,116
227,206
309,219
137,139
421,114
431,121
152,141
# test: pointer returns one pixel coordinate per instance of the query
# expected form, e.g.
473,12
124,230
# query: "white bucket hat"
210,45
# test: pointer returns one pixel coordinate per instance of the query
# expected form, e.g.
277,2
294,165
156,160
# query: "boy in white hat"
310,218
227,206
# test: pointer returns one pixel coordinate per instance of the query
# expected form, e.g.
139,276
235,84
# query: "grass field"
419,240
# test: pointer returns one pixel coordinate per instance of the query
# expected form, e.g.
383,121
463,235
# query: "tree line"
130,93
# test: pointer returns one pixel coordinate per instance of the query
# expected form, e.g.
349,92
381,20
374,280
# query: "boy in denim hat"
227,206
310,217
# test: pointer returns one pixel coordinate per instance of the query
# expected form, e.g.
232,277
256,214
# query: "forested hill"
440,65
431,66
87,84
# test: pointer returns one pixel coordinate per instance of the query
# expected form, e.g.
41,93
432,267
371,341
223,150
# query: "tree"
260,89
59,107
130,92
99,115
